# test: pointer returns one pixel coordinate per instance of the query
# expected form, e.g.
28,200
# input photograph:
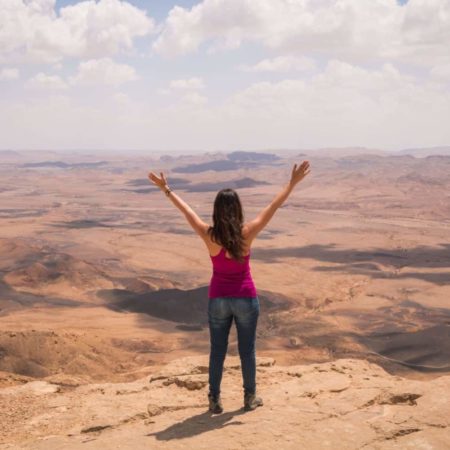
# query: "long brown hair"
228,218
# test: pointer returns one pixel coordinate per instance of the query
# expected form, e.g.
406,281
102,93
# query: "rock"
295,342
189,382
347,404
389,398
94,428
154,410
33,387
194,365
65,380
183,366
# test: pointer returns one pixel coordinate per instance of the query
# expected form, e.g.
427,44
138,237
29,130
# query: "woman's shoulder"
245,230
214,247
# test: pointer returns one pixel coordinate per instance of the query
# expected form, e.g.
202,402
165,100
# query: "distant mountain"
8,153
425,151
233,184
235,160
214,186
218,166
146,182
341,152
167,158
252,156
64,165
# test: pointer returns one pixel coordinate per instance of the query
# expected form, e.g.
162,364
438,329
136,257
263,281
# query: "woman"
231,293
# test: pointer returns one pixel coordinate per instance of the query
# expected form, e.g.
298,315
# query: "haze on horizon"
224,74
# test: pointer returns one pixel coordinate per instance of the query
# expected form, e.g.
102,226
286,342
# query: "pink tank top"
231,278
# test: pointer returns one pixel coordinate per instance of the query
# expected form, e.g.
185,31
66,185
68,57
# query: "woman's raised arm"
199,226
255,226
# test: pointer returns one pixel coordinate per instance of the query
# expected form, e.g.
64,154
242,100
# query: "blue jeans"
221,311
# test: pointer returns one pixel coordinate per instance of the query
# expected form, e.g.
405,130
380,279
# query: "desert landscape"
104,284
103,293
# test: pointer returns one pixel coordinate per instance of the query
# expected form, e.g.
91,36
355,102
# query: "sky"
223,75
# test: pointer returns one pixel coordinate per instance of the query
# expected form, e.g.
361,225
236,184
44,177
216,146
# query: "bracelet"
168,191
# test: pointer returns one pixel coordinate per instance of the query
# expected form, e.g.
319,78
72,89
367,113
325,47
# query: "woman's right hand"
298,173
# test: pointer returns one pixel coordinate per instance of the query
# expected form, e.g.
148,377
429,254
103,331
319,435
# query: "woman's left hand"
160,182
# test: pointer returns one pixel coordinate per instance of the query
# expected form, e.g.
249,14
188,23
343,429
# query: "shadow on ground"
187,307
198,424
372,263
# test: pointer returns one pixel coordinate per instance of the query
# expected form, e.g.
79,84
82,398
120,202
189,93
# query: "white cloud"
9,73
343,105
44,81
194,98
57,66
185,90
363,96
187,84
352,30
441,72
103,71
95,71
163,91
121,98
282,64
33,31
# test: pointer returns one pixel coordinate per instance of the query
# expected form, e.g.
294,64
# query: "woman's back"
231,278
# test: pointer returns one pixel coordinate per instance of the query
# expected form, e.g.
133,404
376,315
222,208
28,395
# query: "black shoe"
252,401
215,404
